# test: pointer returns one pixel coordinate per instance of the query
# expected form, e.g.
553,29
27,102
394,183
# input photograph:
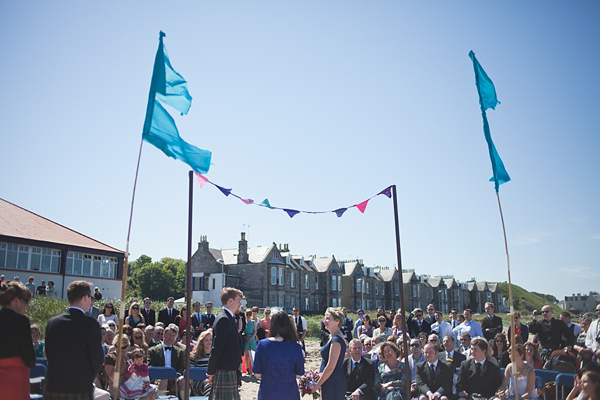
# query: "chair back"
42,360
197,373
38,371
546,375
562,381
162,373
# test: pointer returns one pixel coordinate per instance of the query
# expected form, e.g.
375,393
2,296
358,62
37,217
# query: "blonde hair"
337,315
198,352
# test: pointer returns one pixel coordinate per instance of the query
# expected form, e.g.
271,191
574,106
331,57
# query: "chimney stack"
242,257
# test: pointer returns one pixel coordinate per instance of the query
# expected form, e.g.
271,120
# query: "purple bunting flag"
340,211
225,191
291,213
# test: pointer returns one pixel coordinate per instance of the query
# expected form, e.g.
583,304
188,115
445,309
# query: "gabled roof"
20,223
388,274
493,287
256,255
434,282
353,268
450,282
323,264
482,286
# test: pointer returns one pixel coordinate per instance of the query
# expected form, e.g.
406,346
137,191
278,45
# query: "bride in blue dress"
333,383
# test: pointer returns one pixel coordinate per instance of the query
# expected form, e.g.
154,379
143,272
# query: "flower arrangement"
308,382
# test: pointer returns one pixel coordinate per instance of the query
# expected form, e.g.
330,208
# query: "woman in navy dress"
333,383
278,361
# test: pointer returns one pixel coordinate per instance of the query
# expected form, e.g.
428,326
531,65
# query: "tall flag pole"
168,87
488,99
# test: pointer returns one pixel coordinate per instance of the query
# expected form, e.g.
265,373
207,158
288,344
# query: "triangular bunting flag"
291,213
387,191
362,206
340,211
201,180
265,203
247,201
225,191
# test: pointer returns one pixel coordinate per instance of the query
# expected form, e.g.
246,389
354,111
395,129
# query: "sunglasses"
415,345
137,337
135,308
433,340
547,311
109,307
418,315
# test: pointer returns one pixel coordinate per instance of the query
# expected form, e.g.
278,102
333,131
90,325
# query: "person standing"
279,360
441,327
31,286
453,321
73,347
430,314
491,324
208,319
347,326
50,290
97,294
148,313
300,326
17,355
41,290
197,319
550,330
226,354
469,326
168,314
520,329
332,381
592,339
418,325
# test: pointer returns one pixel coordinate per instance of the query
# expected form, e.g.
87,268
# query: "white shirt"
442,328
300,322
472,328
592,334
167,354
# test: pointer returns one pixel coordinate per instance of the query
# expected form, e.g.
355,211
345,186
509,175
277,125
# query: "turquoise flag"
488,99
170,88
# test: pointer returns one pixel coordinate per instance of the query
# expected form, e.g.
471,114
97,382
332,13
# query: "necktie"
355,366
432,369
171,348
478,369
170,311
296,321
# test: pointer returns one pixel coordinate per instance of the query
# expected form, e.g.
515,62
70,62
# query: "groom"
226,354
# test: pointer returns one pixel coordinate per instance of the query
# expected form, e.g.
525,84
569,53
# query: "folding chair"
42,360
36,377
197,374
539,384
546,375
563,380
162,373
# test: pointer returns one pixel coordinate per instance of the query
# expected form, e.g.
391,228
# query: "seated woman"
525,378
38,345
366,328
499,352
139,339
383,332
390,377
199,358
532,356
588,387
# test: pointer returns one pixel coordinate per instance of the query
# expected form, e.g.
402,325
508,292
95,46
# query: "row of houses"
273,276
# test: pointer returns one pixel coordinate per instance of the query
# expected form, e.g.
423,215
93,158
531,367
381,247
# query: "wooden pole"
188,290
401,291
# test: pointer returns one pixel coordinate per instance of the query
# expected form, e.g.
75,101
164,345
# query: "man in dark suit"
93,312
450,355
208,319
520,329
418,324
226,354
166,354
434,378
74,347
167,315
148,313
491,324
430,314
359,372
197,319
478,376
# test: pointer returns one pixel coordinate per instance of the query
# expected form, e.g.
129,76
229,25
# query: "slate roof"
20,223
322,264
256,255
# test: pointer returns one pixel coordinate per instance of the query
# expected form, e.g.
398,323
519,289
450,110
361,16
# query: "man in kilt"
226,354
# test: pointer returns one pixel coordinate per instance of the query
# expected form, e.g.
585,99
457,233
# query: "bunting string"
362,206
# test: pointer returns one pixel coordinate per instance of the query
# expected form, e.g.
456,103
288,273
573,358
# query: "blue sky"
316,106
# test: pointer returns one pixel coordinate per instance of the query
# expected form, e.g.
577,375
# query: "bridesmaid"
333,383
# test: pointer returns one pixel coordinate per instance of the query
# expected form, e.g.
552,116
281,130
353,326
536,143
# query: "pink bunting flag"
201,180
362,206
247,201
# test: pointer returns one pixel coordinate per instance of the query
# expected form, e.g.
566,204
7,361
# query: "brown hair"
536,353
14,290
143,345
282,325
78,290
249,313
389,344
230,293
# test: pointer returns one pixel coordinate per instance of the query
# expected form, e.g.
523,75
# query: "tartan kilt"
67,396
225,385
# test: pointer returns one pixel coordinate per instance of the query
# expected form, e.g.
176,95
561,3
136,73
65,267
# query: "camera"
537,313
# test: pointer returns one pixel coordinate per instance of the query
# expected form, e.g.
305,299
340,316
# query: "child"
137,384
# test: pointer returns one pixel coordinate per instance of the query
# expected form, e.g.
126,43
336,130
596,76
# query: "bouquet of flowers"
308,382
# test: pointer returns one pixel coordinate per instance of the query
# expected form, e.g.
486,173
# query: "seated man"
434,378
359,372
166,354
478,377
416,356
465,342
451,356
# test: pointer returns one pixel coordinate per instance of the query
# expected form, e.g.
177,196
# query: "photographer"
550,330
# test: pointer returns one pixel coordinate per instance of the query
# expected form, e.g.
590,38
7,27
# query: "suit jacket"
524,333
208,320
156,357
74,353
430,319
149,317
413,326
94,312
226,351
163,316
441,382
363,378
196,324
491,326
486,384
457,359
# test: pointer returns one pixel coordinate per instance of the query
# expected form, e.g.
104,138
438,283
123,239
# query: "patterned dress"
396,376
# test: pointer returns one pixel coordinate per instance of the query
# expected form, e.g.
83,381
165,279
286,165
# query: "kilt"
225,385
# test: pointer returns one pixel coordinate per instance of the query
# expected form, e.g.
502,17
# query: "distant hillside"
525,301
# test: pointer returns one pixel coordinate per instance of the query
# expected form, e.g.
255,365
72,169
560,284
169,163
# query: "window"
23,257
376,289
2,255
334,302
340,302
293,279
339,279
273,299
96,266
273,275
306,282
317,305
281,301
280,276
383,289
87,264
80,264
358,304
358,285
317,285
306,304
29,258
11,256
334,283
396,289
214,283
414,291
368,288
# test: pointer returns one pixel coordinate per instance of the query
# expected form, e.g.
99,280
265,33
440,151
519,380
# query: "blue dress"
279,363
334,388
